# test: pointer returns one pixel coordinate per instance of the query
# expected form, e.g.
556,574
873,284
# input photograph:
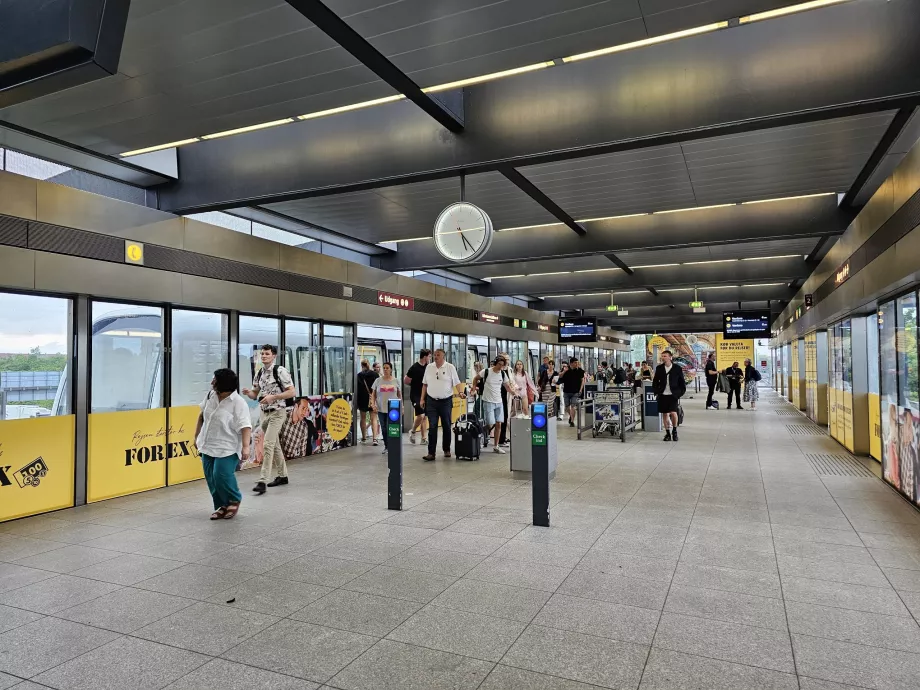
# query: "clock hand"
466,241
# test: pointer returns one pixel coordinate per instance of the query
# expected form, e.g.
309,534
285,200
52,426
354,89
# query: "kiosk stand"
539,453
651,420
394,455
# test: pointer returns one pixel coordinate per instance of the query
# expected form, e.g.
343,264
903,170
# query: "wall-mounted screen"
745,324
581,329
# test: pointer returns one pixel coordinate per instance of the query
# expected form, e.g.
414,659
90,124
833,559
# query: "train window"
338,358
35,342
200,345
301,340
255,331
127,357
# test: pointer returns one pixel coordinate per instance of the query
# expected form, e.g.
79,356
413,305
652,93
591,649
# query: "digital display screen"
737,325
582,329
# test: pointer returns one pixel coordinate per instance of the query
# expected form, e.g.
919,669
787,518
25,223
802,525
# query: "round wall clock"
463,232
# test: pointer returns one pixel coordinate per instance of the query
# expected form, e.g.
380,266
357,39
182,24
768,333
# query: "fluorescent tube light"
596,270
761,284
408,239
692,208
674,289
353,106
711,261
788,198
528,227
520,275
251,128
628,215
654,266
790,9
647,42
160,147
765,258
548,296
487,77
719,287
551,273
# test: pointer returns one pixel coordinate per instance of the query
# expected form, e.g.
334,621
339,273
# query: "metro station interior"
183,182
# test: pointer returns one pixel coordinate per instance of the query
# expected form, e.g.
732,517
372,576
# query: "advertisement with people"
689,349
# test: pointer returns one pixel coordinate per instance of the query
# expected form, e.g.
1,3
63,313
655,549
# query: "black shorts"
419,410
667,403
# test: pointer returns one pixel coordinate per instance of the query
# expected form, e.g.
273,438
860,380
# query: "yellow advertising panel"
811,376
127,453
338,419
875,426
846,405
36,465
729,351
184,461
796,375
832,412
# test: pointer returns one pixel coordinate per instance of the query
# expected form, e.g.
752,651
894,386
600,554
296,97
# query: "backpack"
757,375
620,376
288,402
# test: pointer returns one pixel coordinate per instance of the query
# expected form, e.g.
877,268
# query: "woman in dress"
385,388
751,393
547,387
562,369
523,385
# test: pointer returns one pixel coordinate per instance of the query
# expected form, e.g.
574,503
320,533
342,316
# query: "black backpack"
288,402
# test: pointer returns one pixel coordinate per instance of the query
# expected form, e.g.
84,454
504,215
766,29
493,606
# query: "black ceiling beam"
653,291
339,31
812,255
530,189
661,94
895,127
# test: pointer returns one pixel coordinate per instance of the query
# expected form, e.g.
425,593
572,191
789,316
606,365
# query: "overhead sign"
523,323
696,305
486,317
623,312
699,310
542,327
809,301
388,299
842,274
134,253
746,324
517,323
613,307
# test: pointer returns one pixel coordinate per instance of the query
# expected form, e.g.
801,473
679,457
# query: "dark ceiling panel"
667,16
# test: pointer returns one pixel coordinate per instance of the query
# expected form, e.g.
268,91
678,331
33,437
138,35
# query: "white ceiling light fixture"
692,208
654,266
647,42
767,258
488,77
788,198
408,239
353,106
597,270
711,261
762,284
519,275
250,128
628,215
558,296
719,287
529,227
789,9
160,147
674,289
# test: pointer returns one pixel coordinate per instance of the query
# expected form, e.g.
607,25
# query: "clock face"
463,232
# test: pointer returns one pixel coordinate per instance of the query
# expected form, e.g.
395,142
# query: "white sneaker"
412,437
385,451
496,449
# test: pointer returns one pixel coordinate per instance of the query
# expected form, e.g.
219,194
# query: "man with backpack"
273,387
493,381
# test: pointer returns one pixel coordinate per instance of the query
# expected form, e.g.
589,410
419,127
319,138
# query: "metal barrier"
616,410
584,411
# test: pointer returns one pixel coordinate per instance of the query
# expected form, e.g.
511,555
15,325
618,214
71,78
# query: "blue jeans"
220,474
382,418
435,410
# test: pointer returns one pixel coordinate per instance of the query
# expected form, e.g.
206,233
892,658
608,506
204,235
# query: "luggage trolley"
616,411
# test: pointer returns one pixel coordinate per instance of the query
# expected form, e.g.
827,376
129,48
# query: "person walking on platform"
645,372
507,397
413,379
564,367
712,377
363,395
385,388
669,386
439,386
524,387
492,381
734,376
573,383
546,387
222,435
751,379
274,389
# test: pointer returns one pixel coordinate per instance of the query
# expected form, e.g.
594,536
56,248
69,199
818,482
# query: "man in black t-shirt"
366,378
413,379
573,382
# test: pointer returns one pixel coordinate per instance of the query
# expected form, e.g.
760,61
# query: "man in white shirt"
439,385
494,379
223,424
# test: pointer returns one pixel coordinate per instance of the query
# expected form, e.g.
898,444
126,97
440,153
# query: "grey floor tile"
733,642
629,565
13,548
194,581
729,557
757,529
67,559
853,664
56,594
13,618
516,603
722,539
270,595
728,580
565,536
128,569
296,542
357,612
859,627
8,681
410,585
508,678
459,632
574,656
311,652
891,558
363,550
800,519
837,571
814,684
912,601
903,580
667,670
847,537
227,675
486,528
412,518
476,544
519,574
599,618
321,570
883,600
125,610
35,647
185,549
652,547
77,532
129,540
392,665
821,551
250,559
614,588
124,663
395,534
435,561
446,508
13,576
764,612
542,554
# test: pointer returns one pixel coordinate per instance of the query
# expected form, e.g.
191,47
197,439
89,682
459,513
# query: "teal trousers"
220,473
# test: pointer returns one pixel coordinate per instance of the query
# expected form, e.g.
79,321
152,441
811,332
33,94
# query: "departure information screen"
578,330
745,324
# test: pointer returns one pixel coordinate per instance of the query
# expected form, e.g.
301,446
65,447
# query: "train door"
302,355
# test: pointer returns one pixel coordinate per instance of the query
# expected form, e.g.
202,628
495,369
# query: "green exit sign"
613,307
523,323
696,305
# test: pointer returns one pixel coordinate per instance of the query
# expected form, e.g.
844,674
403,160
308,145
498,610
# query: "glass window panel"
908,413
127,352
338,358
35,342
200,345
301,347
255,331
888,381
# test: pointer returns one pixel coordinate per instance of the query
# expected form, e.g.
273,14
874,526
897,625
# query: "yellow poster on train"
729,351
184,460
846,403
127,453
36,465
832,413
875,426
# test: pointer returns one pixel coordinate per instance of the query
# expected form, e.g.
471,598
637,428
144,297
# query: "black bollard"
539,453
394,456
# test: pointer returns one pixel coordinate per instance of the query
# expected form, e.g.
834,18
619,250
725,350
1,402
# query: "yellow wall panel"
127,453
875,427
184,460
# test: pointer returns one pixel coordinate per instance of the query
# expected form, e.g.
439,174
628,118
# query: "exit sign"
523,323
613,307
696,305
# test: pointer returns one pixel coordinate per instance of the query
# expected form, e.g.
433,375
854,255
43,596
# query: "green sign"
523,324
613,307
393,430
696,305
538,437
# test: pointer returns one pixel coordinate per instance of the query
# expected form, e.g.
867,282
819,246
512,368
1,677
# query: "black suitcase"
467,437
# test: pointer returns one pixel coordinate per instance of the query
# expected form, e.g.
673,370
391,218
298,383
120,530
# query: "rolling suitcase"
467,437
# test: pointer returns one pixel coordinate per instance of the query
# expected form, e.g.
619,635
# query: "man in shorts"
413,379
494,379
573,383
669,386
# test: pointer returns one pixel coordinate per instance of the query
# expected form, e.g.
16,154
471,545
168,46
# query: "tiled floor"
720,562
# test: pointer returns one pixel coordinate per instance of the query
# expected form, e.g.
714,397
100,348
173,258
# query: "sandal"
218,514
231,511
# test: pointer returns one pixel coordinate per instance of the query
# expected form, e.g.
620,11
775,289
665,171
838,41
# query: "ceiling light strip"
789,9
647,42
788,198
251,128
353,106
765,258
487,77
160,147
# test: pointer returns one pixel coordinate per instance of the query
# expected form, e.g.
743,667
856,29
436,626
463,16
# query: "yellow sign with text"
846,400
184,460
36,465
127,453
730,351
875,427
338,419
